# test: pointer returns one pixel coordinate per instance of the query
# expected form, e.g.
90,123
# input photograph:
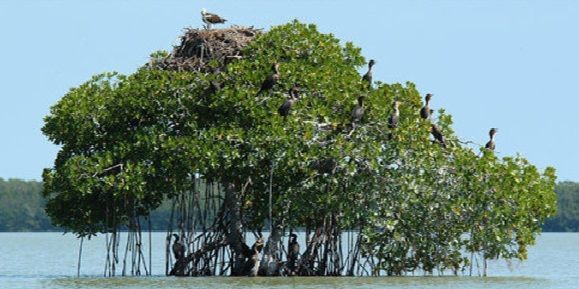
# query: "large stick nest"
199,47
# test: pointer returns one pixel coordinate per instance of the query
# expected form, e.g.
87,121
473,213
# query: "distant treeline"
567,218
22,209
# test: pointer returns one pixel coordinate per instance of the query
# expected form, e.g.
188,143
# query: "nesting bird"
211,18
393,119
491,143
368,76
178,248
425,111
358,111
293,96
437,134
270,80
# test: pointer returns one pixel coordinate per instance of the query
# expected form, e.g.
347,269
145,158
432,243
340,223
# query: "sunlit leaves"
419,205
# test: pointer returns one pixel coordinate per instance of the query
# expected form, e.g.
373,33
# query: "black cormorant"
368,76
358,111
491,143
293,254
211,18
286,107
270,80
425,111
393,119
252,266
178,248
437,134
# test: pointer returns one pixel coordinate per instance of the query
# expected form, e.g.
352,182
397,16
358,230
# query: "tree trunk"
234,235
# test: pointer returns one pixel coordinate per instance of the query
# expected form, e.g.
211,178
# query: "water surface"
49,260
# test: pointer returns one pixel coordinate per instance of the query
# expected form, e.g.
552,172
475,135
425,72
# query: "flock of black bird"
284,110
358,112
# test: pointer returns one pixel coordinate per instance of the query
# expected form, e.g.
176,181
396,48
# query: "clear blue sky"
506,64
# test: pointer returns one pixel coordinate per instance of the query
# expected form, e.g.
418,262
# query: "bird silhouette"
211,18
393,119
425,111
437,134
269,82
491,143
368,76
178,248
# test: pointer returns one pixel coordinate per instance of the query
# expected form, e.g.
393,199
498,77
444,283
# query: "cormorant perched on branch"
286,107
358,111
295,90
210,18
178,248
491,143
425,111
270,80
437,134
393,119
368,76
293,254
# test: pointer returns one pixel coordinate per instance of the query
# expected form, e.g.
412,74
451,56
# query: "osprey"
210,18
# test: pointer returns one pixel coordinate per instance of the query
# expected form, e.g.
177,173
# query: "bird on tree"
437,134
296,90
270,80
178,248
211,18
393,119
358,111
252,266
368,76
425,111
286,107
491,143
293,254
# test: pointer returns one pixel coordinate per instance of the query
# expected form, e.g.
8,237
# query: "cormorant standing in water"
211,18
293,254
178,248
358,111
437,134
254,262
425,111
393,119
491,143
270,80
286,107
368,76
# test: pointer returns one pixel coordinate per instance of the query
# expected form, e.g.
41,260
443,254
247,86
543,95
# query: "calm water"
49,260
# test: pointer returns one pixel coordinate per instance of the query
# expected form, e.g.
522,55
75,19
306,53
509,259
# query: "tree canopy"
130,141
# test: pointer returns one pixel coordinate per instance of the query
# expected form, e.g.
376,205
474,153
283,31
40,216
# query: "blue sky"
506,64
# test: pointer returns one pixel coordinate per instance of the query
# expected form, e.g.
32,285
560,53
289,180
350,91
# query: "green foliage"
413,200
22,206
567,218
